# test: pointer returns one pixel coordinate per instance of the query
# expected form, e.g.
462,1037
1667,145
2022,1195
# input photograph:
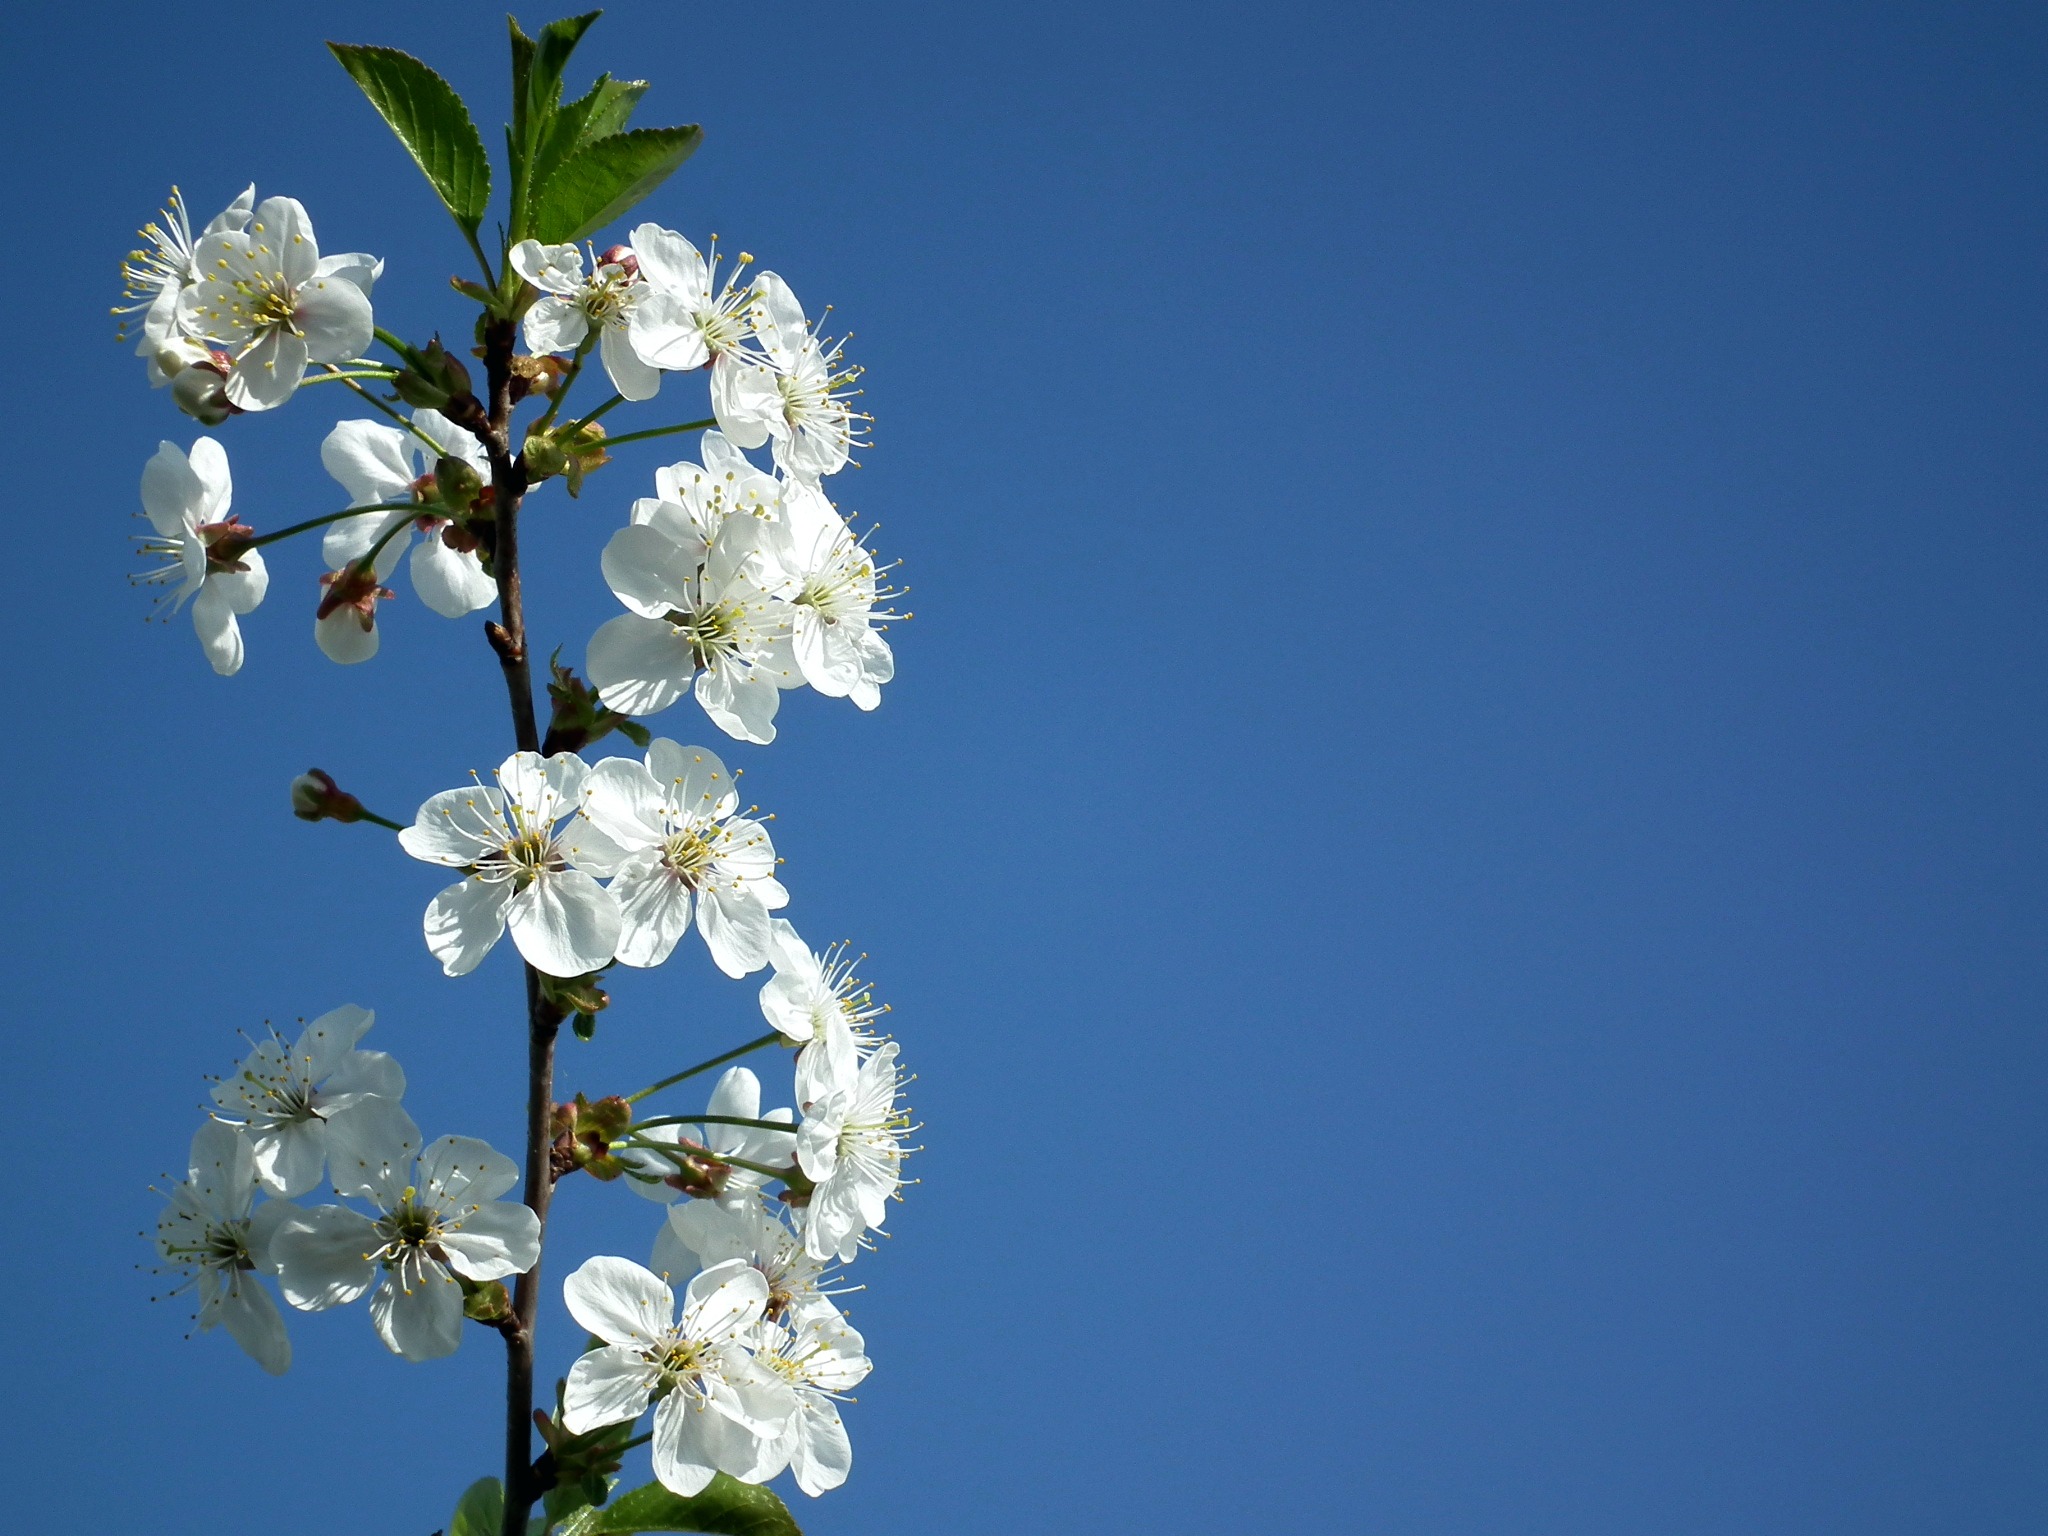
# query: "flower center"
409,1230
712,631
687,856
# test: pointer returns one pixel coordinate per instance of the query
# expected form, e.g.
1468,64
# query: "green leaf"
600,112
606,178
726,1508
430,121
480,1511
557,40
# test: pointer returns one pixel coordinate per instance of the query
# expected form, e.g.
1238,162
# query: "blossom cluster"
740,581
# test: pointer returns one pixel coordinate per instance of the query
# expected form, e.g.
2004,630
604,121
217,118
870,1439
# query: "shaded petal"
630,376
605,1386
423,1322
648,571
654,911
220,637
267,372
461,1172
682,1462
252,1320
371,1147
334,316
638,665
464,921
498,1241
323,1257
450,581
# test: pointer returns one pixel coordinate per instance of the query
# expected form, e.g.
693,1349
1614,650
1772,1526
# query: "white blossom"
289,1098
720,1411
817,1001
438,1216
267,295
156,275
701,1233
702,323
204,549
737,1096
207,1230
611,301
378,465
518,871
676,816
850,1144
821,1357
831,583
704,617
799,399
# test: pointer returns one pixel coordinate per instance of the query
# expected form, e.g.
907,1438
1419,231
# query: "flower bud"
622,257
199,391
438,378
316,797
457,483
544,456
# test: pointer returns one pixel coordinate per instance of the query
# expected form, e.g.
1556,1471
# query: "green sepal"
430,121
606,178
726,1508
485,1301
480,1511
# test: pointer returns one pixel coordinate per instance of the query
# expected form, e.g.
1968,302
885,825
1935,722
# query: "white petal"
654,911
371,1147
555,325
499,1241
822,1455
631,377
724,1299
623,801
456,827
423,1322
265,375
565,923
220,637
291,1157
648,571
449,581
681,1458
374,462
464,921
463,1172
638,665
252,1320
605,1386
619,1301
322,1257
693,779
735,929
740,702
343,639
334,316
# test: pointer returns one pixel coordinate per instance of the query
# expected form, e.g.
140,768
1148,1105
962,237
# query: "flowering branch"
739,583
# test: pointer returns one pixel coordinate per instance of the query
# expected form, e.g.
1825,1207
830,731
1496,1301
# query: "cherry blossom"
518,871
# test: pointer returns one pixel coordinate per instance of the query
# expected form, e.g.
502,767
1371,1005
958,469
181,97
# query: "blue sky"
1458,842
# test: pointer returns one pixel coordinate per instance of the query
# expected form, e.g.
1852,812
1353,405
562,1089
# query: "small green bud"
457,483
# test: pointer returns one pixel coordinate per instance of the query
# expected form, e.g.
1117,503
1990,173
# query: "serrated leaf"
480,1511
598,113
557,40
726,1508
607,177
430,121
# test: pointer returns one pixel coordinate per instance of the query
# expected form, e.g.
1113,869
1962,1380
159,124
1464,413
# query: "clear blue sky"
1458,845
